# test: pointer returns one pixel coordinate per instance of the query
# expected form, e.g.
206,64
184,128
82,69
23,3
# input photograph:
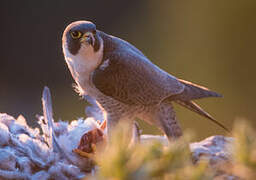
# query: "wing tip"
196,108
218,123
215,94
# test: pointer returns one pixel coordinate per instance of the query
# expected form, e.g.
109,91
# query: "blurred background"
208,42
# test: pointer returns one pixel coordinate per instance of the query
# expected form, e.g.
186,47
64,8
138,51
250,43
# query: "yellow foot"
93,148
84,154
103,125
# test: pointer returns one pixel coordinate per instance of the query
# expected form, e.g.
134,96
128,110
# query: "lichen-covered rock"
216,149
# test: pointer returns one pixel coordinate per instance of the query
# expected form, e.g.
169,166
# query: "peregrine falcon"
124,82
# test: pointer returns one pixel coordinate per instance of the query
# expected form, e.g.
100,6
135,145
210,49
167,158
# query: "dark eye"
94,31
75,34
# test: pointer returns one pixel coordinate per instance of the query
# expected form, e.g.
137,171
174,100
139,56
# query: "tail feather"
196,108
194,91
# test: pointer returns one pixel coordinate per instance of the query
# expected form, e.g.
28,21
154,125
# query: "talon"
93,147
103,125
89,141
84,154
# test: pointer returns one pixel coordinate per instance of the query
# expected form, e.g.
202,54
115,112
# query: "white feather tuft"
24,154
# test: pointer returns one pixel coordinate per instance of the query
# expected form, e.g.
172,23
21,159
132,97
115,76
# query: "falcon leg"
163,116
113,121
168,121
114,113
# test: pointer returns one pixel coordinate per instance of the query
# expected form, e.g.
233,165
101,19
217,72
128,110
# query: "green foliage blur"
123,161
244,150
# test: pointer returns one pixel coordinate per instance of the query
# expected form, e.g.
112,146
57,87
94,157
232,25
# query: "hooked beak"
88,38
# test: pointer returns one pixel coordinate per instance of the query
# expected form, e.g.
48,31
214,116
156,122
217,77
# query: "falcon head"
81,35
82,48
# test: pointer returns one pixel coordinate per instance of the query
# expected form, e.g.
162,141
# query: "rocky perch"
25,153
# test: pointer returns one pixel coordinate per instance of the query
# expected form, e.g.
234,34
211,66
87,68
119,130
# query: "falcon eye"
75,34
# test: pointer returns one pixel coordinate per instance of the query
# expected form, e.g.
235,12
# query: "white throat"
83,64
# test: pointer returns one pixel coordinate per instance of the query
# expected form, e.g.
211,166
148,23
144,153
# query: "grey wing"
133,79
